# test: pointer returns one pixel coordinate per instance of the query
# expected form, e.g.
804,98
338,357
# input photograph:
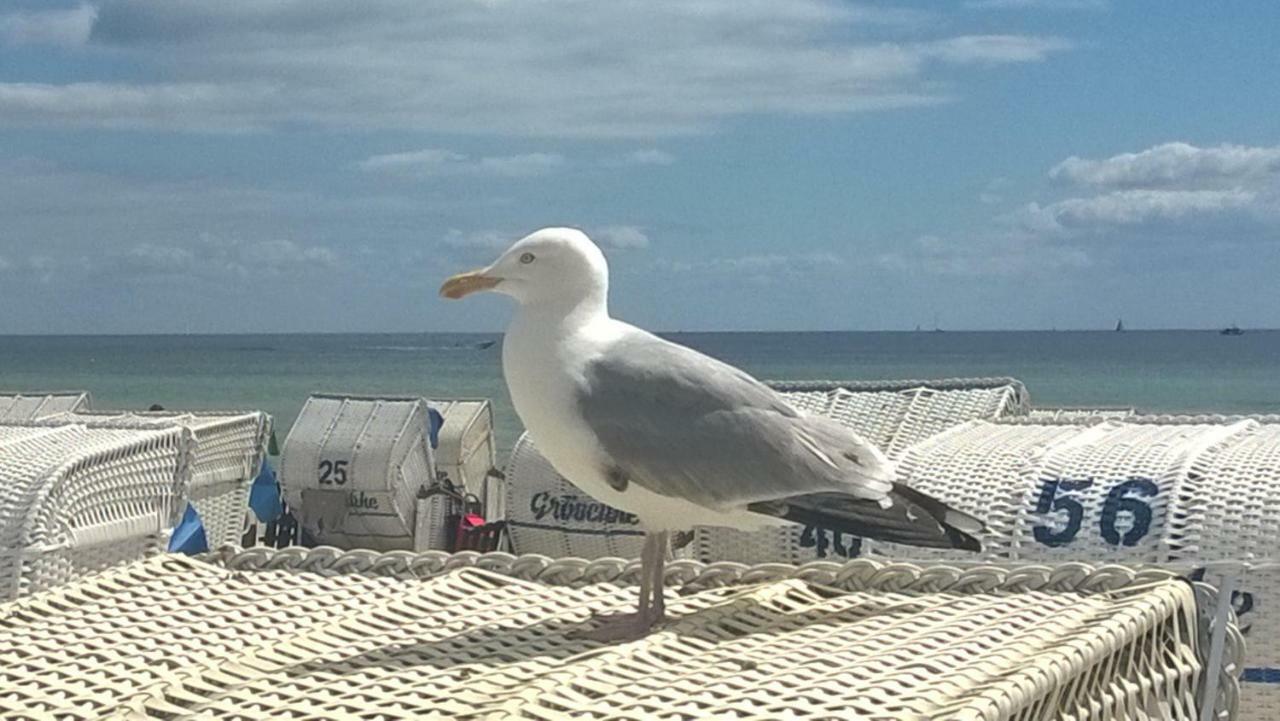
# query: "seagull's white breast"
544,363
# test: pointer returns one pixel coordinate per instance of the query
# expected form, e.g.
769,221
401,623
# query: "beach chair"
467,451
77,498
1198,495
324,634
547,514
377,472
230,449
28,406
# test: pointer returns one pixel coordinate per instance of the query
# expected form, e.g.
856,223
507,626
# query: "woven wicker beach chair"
351,468
1196,494
467,452
548,515
29,405
328,634
230,448
361,471
78,498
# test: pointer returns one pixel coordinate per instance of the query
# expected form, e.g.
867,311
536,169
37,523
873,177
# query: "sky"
172,166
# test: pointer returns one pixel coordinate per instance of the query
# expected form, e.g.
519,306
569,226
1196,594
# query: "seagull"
675,437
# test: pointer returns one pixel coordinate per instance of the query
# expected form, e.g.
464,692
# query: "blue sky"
320,165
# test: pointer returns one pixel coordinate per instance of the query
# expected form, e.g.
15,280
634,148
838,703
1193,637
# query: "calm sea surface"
1153,370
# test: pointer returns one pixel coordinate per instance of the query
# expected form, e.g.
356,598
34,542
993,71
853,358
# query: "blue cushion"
189,536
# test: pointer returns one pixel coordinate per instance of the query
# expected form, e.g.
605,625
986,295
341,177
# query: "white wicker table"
327,634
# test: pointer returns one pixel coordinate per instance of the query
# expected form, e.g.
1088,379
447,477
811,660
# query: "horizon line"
171,334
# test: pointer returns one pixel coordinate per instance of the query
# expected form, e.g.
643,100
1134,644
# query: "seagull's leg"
646,579
630,626
658,606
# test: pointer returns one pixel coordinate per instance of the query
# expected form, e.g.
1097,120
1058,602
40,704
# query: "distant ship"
1232,329
1119,325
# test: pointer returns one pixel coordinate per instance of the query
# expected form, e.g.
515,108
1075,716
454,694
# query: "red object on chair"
466,536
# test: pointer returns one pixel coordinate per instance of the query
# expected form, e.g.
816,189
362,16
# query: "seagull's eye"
526,258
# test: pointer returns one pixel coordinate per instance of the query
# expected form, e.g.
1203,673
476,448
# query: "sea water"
1159,371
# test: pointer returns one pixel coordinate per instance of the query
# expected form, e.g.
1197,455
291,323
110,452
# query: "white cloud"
610,237
148,258
1171,182
1173,165
282,255
437,161
494,240
518,166
40,267
1132,207
215,257
994,191
759,268
1037,4
1168,196
647,156
68,27
621,237
571,68
995,254
994,49
213,107
428,160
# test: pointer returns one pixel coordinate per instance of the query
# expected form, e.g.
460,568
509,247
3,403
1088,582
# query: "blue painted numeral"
1051,502
1127,497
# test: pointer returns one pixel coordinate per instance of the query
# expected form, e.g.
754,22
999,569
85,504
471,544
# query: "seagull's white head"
550,267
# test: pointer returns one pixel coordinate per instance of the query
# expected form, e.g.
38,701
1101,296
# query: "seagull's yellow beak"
464,284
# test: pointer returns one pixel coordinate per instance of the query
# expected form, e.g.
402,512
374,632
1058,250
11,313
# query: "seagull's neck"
544,356
563,317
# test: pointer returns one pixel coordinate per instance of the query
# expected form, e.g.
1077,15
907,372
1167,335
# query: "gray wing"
682,424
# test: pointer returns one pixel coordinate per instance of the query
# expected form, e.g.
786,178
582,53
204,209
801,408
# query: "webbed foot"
617,627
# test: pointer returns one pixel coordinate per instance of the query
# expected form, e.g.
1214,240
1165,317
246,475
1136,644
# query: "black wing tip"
963,541
858,517
959,527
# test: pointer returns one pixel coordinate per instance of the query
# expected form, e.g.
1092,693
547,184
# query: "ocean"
1158,371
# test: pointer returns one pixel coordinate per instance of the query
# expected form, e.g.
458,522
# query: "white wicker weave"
230,447
897,414
1176,492
75,499
324,634
31,405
